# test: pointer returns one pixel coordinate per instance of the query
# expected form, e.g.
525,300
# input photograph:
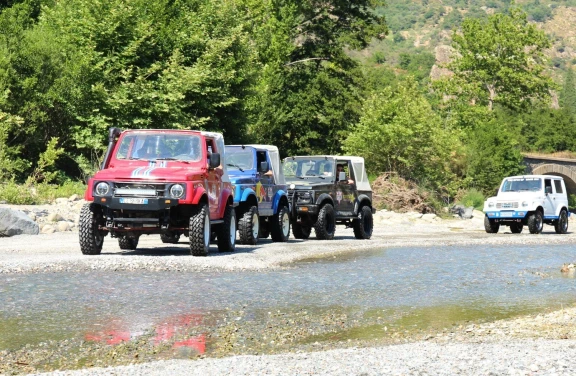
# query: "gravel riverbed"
540,344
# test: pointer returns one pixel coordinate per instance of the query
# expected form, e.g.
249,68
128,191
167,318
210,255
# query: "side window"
547,186
558,186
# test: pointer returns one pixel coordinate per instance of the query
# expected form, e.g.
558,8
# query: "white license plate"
133,200
506,214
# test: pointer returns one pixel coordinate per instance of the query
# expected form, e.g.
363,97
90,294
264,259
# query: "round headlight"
177,191
102,188
292,186
490,204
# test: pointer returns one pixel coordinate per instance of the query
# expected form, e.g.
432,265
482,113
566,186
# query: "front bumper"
507,214
136,203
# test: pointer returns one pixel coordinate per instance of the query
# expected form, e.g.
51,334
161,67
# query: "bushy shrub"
473,197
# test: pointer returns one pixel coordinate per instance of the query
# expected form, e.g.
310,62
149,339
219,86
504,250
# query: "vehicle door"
213,182
559,198
549,206
344,192
265,187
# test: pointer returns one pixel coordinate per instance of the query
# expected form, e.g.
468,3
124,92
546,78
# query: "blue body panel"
513,214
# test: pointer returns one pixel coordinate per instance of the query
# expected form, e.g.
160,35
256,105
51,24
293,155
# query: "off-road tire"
197,235
325,226
91,238
246,226
281,225
561,225
364,224
128,243
491,226
301,231
226,232
170,238
516,228
535,222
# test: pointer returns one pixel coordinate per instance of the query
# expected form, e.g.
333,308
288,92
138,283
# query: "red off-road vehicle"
167,182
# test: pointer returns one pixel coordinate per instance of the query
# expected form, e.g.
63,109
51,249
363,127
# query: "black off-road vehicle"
324,191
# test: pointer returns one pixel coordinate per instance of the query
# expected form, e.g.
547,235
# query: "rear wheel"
199,231
128,243
364,224
170,238
91,237
281,225
490,225
535,222
249,226
561,226
516,228
226,232
301,231
325,226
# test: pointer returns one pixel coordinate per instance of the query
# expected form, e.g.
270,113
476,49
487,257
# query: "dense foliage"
312,77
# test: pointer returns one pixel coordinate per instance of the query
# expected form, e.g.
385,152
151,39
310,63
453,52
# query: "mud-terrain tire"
301,231
249,226
516,228
561,225
491,226
170,238
535,222
199,231
91,238
226,232
364,224
128,243
280,225
325,226
264,232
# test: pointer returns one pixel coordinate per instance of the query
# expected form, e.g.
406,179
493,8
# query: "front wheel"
561,225
491,226
325,226
516,228
199,231
363,225
535,222
91,237
249,226
226,232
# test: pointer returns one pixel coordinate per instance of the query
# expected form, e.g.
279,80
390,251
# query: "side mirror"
548,190
342,176
214,160
263,167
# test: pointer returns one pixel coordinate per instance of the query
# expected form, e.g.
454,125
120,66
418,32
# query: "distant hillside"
418,27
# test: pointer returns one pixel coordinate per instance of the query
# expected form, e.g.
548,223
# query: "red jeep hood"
161,170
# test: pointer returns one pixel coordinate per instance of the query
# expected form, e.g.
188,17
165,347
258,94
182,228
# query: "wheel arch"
279,198
361,201
324,199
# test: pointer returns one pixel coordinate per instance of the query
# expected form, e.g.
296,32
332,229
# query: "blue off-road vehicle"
260,192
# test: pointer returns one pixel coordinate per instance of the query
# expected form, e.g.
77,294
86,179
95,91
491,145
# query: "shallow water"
412,287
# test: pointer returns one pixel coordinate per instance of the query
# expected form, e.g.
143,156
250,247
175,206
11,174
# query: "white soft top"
535,176
274,155
360,176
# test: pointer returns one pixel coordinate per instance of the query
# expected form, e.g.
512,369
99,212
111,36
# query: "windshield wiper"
235,165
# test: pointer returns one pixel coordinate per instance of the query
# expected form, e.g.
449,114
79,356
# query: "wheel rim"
285,224
232,230
255,226
206,231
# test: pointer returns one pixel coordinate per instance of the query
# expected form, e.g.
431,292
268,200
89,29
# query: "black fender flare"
362,200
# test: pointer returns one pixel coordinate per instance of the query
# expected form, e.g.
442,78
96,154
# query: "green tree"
500,60
400,132
568,94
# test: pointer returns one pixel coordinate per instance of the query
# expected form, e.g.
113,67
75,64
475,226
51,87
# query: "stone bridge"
543,165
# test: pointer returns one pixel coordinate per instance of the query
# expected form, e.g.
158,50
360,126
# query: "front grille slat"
149,190
507,205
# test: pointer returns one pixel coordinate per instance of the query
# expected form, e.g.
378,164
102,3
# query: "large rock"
15,222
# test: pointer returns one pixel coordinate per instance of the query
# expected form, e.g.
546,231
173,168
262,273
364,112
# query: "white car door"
549,203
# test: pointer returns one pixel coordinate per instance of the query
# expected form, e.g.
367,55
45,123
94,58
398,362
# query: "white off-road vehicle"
530,200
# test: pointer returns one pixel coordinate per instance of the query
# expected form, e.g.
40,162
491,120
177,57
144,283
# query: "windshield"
160,146
301,168
238,158
521,184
